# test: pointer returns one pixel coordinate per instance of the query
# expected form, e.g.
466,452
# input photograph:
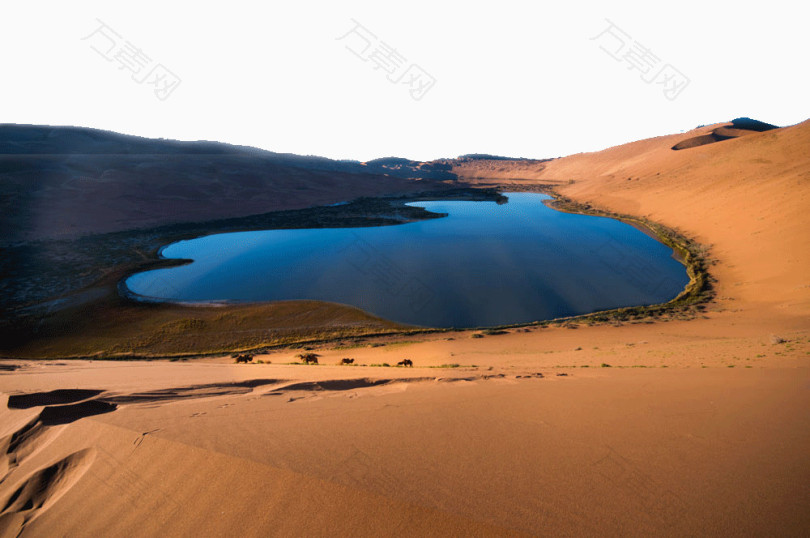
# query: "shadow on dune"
192,391
54,397
739,127
41,489
65,414
337,385
344,384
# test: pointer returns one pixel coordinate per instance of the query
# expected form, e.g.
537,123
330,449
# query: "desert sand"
676,428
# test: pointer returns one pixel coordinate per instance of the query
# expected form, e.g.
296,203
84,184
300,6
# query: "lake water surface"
485,264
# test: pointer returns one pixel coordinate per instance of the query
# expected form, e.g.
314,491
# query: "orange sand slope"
716,443
747,198
217,450
739,127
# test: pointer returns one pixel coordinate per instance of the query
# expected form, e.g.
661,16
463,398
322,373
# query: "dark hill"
70,181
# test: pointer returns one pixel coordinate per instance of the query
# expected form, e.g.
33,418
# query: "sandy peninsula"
680,427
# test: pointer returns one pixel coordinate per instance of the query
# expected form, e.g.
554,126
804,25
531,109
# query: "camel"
346,361
308,358
405,362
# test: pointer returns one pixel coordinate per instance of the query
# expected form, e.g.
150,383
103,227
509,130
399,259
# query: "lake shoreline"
77,280
686,305
161,286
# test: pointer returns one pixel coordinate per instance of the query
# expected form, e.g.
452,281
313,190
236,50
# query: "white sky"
512,78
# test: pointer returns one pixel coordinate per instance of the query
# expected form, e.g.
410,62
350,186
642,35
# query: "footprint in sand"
201,413
137,442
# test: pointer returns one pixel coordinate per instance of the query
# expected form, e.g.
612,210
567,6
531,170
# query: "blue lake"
484,264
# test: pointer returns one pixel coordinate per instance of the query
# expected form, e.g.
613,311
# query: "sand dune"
686,427
490,454
737,128
747,199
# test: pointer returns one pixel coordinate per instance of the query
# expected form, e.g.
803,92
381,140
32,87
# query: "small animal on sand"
405,362
243,358
346,361
308,358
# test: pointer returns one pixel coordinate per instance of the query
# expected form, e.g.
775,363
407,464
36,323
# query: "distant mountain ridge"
46,140
72,181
